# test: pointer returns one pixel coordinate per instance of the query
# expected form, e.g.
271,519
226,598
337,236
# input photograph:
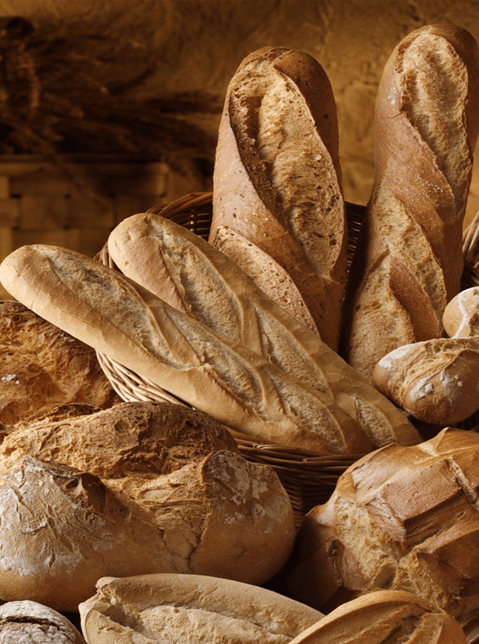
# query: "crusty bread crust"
129,324
409,258
277,183
188,273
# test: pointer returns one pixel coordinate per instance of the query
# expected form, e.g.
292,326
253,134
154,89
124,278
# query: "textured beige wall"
199,43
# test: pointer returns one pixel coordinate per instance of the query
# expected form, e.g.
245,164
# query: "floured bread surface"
130,438
409,254
152,495
277,181
461,316
402,518
41,366
396,617
27,622
170,608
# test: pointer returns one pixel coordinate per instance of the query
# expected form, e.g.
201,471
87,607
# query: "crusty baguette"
137,329
435,380
190,608
277,183
400,518
191,275
409,258
27,622
385,616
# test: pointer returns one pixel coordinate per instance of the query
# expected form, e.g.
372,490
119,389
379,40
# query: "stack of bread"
144,516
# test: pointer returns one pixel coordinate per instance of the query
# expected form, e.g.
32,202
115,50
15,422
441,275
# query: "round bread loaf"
171,608
385,616
63,528
42,366
27,622
400,518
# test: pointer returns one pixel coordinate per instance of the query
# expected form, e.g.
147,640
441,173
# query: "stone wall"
199,43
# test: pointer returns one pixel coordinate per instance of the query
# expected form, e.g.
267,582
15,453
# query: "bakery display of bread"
400,518
27,622
385,616
170,608
409,258
277,198
162,521
42,366
184,270
118,492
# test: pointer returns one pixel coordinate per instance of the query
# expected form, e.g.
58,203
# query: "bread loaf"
27,622
385,616
277,199
437,381
400,518
409,259
62,529
189,274
132,326
41,366
190,608
461,315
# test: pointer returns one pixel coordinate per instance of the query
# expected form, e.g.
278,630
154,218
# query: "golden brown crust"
409,259
41,366
277,181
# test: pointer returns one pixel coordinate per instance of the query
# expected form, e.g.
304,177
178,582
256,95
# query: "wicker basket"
309,477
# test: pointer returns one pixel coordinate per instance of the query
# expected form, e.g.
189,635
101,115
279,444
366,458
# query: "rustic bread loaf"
400,518
171,608
461,315
134,327
27,622
385,616
437,381
130,439
277,184
409,258
41,366
189,274
62,529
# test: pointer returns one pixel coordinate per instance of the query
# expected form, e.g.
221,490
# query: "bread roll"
461,315
277,198
62,529
171,608
27,622
132,326
385,616
41,366
189,274
437,381
409,259
400,518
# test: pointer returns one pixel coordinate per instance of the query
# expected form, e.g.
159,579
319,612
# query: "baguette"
385,616
27,622
234,385
277,199
189,274
190,608
461,316
437,381
409,259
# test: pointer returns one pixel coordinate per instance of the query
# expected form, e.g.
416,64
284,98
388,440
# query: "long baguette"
137,329
189,274
409,257
277,184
